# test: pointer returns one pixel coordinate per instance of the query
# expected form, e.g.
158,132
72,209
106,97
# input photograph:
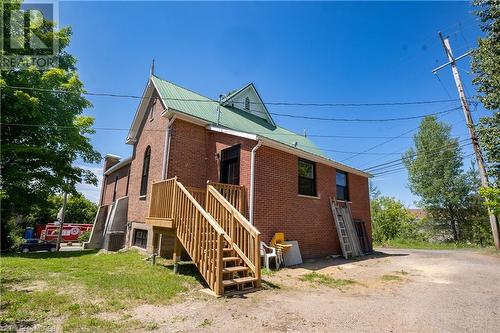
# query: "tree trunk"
453,224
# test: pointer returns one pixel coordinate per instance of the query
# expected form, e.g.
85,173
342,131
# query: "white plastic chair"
267,255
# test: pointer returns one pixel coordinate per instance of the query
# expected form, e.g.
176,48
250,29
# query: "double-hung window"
342,188
307,178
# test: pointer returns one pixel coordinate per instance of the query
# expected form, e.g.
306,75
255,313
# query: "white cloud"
91,192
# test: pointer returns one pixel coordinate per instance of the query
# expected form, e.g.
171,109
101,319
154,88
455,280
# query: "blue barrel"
29,233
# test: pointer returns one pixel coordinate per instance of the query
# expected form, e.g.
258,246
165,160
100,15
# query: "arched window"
114,189
247,103
145,171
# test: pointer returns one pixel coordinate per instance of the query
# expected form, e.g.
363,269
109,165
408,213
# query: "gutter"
166,148
252,180
118,165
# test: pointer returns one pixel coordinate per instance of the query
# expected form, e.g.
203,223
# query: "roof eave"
313,157
139,114
119,165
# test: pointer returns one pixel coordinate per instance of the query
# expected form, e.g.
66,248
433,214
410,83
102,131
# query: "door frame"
234,153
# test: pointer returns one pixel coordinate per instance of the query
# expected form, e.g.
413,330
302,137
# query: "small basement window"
307,178
342,188
141,238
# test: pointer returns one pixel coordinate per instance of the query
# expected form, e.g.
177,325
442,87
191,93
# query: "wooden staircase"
222,243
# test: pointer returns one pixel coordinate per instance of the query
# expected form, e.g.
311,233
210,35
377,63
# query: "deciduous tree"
436,175
43,131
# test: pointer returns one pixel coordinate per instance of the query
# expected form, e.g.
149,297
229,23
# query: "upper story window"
145,171
152,110
342,188
247,103
114,188
307,177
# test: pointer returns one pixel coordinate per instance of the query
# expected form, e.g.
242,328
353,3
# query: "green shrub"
84,236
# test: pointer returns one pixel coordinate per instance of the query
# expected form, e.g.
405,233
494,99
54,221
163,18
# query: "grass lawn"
413,244
71,289
326,280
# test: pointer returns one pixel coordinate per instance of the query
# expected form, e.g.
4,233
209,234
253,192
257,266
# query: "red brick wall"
194,153
121,185
217,142
193,159
187,157
151,133
359,195
279,208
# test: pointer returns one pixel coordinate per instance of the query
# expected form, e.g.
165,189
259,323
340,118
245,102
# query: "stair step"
231,259
227,249
232,282
234,269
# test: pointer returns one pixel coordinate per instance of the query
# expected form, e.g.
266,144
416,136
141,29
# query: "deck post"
257,260
177,254
219,289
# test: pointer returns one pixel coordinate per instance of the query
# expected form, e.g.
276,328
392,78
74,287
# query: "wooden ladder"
340,223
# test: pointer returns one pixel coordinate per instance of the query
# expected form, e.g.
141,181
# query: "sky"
304,52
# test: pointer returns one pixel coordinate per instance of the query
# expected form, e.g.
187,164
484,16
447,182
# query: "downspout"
166,149
252,180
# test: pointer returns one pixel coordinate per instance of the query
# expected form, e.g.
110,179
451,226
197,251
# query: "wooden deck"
211,227
160,222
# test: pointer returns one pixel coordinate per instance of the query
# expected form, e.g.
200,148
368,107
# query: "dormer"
248,99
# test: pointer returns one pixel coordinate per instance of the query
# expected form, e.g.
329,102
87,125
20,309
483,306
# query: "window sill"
137,247
143,197
308,196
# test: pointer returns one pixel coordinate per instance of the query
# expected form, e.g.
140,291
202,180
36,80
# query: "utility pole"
61,223
470,125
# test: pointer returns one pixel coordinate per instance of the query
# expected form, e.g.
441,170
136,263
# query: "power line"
121,129
365,120
387,141
390,172
213,101
431,150
396,137
162,130
400,161
374,160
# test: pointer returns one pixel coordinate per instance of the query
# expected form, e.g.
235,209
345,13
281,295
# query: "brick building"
287,180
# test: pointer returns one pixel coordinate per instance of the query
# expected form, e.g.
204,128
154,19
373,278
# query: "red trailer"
70,232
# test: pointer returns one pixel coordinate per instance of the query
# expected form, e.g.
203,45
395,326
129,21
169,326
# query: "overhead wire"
207,100
400,161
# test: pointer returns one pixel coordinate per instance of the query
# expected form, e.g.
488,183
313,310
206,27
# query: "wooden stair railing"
200,235
224,246
161,204
235,194
241,236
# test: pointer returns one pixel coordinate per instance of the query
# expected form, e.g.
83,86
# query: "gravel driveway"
394,291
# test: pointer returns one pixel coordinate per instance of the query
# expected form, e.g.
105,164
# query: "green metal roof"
196,105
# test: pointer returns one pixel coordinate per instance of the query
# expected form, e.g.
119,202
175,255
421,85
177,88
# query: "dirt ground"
395,291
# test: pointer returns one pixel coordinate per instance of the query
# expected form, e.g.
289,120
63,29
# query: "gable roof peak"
244,98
